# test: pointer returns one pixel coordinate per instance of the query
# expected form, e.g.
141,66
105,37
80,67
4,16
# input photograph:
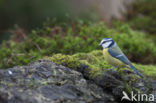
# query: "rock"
46,82
114,83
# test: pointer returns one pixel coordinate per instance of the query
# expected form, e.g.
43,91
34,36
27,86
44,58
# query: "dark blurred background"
29,14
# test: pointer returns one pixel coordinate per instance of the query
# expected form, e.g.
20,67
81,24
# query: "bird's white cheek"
105,45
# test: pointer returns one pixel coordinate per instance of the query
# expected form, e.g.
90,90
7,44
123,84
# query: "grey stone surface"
46,82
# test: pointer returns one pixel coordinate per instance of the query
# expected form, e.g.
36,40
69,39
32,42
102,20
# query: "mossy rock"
97,63
95,68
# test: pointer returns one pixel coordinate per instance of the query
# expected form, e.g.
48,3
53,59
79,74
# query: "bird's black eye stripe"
106,41
111,43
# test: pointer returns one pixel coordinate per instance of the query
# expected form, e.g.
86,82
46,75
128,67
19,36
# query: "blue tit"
114,56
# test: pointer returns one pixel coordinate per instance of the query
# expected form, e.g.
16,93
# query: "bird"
114,56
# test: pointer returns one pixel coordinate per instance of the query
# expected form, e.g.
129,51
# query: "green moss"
128,88
93,59
82,38
149,70
55,73
97,64
65,60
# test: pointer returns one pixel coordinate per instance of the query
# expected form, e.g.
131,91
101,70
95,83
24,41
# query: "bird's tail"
136,71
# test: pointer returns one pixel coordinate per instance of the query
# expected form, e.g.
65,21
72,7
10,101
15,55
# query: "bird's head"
107,43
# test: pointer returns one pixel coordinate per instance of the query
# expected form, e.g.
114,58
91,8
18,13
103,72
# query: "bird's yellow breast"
111,60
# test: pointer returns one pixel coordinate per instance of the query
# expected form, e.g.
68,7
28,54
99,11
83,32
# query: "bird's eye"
103,42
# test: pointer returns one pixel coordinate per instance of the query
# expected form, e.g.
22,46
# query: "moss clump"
93,59
66,60
97,63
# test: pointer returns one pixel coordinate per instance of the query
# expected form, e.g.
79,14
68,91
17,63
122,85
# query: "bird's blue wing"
118,54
